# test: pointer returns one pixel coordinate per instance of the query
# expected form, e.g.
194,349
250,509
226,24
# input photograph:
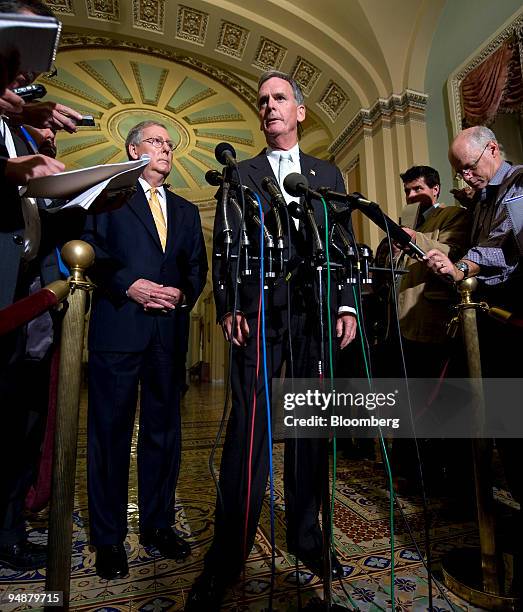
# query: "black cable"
428,566
225,411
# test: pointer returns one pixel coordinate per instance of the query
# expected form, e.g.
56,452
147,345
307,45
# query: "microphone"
225,154
273,189
215,178
396,232
374,213
297,185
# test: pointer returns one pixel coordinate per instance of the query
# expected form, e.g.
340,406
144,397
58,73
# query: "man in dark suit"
150,268
281,110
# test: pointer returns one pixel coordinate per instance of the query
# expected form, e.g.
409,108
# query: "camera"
30,92
86,120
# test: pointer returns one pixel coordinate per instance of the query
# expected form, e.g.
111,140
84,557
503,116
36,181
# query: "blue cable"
267,400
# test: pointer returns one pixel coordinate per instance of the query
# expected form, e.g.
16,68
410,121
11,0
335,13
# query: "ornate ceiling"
194,66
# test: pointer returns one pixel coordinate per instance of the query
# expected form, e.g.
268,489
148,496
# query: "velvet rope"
26,309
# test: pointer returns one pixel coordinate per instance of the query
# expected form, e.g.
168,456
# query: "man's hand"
108,201
441,265
397,248
19,170
11,103
241,332
51,115
153,296
346,329
466,196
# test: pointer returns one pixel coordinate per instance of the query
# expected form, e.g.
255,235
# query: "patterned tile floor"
158,585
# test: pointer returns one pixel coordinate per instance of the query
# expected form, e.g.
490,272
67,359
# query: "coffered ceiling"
194,66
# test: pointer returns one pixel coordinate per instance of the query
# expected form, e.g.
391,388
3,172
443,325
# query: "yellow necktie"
159,219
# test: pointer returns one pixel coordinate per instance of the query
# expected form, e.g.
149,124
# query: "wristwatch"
463,267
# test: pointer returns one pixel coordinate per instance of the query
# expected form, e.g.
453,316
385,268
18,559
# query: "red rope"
26,309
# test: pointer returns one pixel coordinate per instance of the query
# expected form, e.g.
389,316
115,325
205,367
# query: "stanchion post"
78,256
481,447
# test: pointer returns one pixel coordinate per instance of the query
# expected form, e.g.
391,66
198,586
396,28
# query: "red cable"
249,464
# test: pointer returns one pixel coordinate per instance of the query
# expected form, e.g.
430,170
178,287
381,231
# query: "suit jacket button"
17,239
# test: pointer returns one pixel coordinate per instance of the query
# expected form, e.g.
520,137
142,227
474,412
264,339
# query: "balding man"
495,258
495,254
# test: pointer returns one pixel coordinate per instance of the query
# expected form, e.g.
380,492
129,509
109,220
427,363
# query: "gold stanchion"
78,256
471,573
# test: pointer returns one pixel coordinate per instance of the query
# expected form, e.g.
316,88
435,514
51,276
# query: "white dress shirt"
160,192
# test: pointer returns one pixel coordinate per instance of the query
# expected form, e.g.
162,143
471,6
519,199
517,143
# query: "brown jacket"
424,300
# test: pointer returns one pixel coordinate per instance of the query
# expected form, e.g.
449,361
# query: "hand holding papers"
82,187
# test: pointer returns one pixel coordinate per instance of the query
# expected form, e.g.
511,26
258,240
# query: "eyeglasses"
471,167
159,142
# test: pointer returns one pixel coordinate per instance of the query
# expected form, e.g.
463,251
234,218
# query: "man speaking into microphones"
242,480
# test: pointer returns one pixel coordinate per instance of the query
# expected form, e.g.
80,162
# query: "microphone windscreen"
295,184
213,177
221,152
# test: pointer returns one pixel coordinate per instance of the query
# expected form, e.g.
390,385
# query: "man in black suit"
281,110
150,269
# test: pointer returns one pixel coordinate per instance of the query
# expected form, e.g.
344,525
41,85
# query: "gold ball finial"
78,256
468,285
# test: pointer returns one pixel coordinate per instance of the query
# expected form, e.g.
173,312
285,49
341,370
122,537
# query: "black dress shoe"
169,543
206,593
315,565
23,555
111,562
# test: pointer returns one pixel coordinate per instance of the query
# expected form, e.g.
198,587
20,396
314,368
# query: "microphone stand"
226,232
245,243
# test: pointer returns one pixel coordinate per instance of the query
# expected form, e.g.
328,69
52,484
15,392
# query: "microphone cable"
226,410
428,563
291,368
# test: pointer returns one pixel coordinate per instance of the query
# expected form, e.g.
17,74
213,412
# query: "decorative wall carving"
398,108
105,10
333,100
269,55
192,25
63,7
149,15
232,39
305,74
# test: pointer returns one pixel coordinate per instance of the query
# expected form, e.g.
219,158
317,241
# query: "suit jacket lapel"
259,168
140,206
308,168
176,211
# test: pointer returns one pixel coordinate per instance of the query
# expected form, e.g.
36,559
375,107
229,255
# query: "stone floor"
362,537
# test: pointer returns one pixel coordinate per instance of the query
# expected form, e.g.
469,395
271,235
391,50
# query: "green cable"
331,368
331,361
387,464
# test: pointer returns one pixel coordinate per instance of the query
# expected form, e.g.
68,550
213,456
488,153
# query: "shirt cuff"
346,310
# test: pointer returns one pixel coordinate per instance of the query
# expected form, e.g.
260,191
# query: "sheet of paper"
66,185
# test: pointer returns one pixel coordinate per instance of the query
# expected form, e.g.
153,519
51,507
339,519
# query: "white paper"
75,183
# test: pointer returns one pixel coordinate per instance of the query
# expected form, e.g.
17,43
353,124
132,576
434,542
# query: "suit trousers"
245,458
24,389
113,394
